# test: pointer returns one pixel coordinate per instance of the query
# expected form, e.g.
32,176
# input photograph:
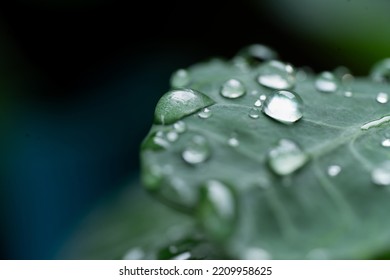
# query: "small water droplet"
276,75
254,92
326,82
255,253
172,136
382,98
197,151
284,106
286,157
180,126
232,88
134,254
233,141
347,78
217,209
380,175
180,79
334,170
257,103
263,97
151,176
156,142
348,93
205,113
182,256
381,71
257,53
254,113
178,103
385,143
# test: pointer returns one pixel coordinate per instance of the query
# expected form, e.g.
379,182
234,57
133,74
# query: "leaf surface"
319,211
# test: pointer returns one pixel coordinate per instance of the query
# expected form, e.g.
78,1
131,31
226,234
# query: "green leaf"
130,225
302,180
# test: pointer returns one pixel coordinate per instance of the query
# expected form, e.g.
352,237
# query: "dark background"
79,81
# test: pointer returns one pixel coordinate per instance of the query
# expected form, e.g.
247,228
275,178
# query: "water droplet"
205,113
263,97
381,174
178,103
217,209
180,79
197,151
172,136
255,253
276,75
382,97
152,176
134,254
232,88
284,106
257,103
326,82
254,113
180,126
381,71
233,141
182,256
341,71
348,93
156,142
177,192
385,143
254,92
286,157
257,53
334,170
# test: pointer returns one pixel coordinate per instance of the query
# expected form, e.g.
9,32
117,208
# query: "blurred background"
79,80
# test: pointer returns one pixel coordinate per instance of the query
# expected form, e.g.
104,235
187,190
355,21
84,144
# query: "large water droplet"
232,88
255,54
180,126
381,71
205,113
380,175
217,209
334,170
276,75
180,79
382,97
197,151
254,113
385,143
284,106
178,103
326,82
286,157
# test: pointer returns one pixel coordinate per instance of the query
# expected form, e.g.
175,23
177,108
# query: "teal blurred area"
79,81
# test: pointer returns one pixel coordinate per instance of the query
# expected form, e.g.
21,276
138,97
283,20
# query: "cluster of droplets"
217,205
